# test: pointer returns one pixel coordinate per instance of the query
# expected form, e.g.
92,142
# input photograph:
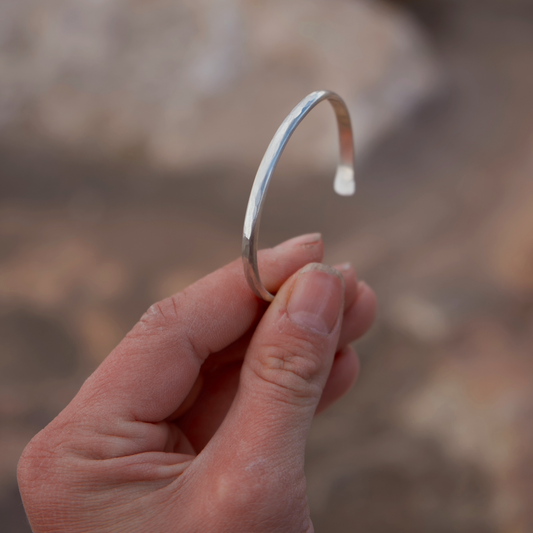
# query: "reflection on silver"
344,183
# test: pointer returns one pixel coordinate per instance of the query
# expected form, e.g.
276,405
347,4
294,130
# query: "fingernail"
316,298
361,286
305,240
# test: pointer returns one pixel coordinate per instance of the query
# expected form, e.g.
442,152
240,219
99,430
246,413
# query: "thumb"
284,373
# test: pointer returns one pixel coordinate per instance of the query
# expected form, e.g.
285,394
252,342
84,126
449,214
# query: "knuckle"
160,317
169,321
35,465
162,313
292,364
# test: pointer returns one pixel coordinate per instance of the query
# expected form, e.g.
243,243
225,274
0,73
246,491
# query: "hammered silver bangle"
344,183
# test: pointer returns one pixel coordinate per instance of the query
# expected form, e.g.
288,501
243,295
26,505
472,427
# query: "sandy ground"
437,434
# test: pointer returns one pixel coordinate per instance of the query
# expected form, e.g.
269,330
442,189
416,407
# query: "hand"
197,421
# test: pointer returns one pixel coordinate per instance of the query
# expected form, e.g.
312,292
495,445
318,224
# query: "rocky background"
129,137
182,83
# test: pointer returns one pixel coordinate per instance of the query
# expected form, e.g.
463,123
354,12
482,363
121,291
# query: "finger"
284,373
153,369
356,321
190,400
201,422
221,370
360,316
204,418
350,283
343,375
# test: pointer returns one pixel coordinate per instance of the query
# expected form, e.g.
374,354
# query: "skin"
198,420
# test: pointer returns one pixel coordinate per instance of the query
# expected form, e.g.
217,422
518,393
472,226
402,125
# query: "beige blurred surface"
182,83
437,434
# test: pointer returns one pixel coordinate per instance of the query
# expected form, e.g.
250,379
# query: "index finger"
153,369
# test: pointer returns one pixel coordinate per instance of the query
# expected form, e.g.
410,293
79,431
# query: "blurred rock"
419,318
193,83
48,274
511,253
477,403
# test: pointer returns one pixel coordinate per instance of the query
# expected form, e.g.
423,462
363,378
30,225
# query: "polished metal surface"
344,183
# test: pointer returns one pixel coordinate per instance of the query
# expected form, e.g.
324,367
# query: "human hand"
197,421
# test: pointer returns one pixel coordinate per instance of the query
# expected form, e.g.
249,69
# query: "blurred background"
130,133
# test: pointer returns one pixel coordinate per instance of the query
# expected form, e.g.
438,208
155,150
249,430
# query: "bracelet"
344,183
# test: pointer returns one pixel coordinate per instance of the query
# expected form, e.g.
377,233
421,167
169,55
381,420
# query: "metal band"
344,183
